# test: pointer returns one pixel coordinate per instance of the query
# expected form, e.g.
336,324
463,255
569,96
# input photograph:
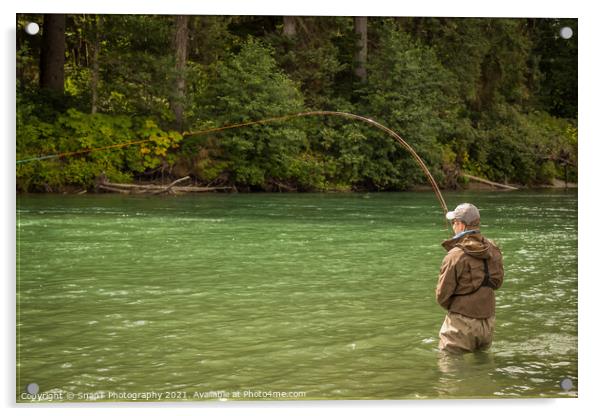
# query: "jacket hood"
474,245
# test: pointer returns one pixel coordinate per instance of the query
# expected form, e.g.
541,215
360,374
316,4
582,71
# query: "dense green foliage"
74,131
493,97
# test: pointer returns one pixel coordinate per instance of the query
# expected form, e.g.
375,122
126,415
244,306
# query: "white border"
589,184
507,8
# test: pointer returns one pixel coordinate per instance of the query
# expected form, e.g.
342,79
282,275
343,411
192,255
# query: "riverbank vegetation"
494,98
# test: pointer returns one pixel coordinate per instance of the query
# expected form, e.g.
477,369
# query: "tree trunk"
290,26
52,57
95,64
20,65
361,55
181,47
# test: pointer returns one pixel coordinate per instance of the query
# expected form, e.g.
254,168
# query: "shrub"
74,131
245,87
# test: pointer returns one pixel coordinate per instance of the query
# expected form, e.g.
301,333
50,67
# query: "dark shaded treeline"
496,98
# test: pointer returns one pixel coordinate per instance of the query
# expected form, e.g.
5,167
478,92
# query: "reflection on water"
458,369
330,295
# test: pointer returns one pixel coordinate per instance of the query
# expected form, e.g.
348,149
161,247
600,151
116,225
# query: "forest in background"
495,98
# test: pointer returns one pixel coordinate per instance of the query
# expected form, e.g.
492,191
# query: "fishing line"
367,120
84,151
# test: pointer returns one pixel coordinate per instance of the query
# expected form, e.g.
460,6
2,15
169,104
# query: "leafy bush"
245,87
524,148
74,132
410,92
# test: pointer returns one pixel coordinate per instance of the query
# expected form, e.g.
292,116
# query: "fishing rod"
366,120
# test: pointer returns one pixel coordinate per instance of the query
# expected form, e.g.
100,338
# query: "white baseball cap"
467,213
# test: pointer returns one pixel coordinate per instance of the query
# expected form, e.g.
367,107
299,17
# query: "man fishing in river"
470,272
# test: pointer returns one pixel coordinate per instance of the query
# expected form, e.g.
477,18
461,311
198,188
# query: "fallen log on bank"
171,185
488,182
128,188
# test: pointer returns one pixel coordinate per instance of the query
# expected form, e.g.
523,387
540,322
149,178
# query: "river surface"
283,297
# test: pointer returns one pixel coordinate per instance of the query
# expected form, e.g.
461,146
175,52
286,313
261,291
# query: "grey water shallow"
319,296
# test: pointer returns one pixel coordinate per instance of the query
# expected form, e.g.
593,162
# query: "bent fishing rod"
366,120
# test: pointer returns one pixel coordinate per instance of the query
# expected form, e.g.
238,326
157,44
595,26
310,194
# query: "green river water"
283,297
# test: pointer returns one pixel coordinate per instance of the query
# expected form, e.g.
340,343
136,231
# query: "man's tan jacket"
463,272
